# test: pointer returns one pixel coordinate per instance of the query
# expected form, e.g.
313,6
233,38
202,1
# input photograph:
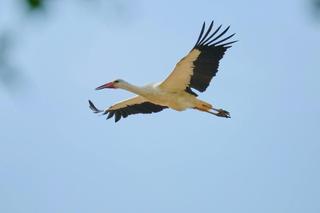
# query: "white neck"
132,88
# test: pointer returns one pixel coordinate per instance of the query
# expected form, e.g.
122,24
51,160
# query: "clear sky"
57,156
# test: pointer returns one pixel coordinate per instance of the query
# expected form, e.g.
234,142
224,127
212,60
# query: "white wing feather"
180,77
131,101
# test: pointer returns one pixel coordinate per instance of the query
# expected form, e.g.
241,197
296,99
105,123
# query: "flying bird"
194,71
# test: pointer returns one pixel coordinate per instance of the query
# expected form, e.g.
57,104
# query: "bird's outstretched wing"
197,68
128,107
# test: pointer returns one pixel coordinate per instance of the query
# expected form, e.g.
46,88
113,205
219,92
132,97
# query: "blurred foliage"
316,8
316,4
35,4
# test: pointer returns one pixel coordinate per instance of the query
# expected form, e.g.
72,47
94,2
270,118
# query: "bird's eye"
116,81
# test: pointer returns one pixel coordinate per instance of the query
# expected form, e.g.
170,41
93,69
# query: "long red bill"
107,85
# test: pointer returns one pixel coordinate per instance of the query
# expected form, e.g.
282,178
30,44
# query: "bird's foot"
222,113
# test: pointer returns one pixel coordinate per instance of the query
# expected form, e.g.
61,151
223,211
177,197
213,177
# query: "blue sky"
57,156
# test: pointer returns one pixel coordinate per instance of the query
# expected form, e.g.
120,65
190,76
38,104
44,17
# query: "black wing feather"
202,30
216,38
207,33
117,116
144,108
111,113
213,34
94,108
206,65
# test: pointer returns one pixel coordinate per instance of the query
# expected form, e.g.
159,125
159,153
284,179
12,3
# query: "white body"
177,100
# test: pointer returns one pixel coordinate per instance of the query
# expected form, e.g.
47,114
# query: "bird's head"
113,84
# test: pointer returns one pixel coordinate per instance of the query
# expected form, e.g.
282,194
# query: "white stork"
195,71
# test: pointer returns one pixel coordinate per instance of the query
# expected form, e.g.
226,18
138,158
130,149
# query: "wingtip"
93,107
211,24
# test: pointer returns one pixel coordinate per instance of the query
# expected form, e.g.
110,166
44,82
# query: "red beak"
107,85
